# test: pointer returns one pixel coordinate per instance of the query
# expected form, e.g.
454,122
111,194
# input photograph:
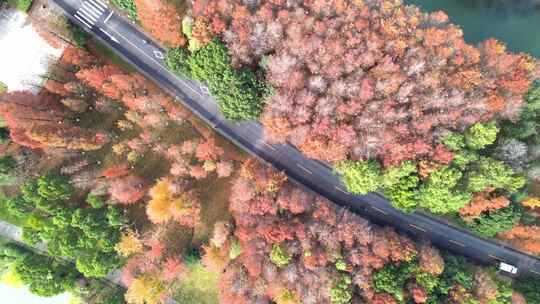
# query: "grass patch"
21,5
198,287
3,87
107,55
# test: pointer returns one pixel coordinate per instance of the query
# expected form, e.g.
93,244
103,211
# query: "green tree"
360,177
239,94
480,135
127,6
488,172
400,184
341,292
177,60
97,264
279,256
530,288
454,141
45,276
390,279
86,235
441,194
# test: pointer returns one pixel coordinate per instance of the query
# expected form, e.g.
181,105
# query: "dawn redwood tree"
162,20
357,80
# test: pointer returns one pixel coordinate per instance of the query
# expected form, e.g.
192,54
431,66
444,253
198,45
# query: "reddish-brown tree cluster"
48,119
161,19
366,79
313,234
525,237
482,202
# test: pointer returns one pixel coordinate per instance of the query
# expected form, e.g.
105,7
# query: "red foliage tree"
269,212
367,81
128,189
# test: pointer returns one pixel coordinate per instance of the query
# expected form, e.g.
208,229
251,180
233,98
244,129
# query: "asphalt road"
128,41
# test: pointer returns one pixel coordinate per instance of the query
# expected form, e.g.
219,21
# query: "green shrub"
239,94
360,177
80,37
3,87
177,61
127,6
21,5
279,256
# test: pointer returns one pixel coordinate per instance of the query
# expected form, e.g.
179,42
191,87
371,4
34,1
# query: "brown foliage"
430,260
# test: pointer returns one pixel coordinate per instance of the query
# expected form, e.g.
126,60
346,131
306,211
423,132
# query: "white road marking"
457,243
108,17
98,7
85,15
417,227
159,55
341,190
110,36
90,12
82,21
495,258
100,3
269,146
304,168
159,64
380,210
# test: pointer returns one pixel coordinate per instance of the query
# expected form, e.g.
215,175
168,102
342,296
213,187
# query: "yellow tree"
532,202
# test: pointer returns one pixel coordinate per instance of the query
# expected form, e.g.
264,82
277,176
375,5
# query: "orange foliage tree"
162,20
482,202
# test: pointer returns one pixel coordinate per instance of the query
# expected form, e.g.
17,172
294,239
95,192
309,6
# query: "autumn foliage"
161,19
366,79
524,237
170,201
314,235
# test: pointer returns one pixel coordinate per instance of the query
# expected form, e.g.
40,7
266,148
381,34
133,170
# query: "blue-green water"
515,22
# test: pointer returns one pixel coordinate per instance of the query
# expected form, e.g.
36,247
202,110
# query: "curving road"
126,40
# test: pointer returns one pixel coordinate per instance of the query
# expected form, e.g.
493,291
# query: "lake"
515,22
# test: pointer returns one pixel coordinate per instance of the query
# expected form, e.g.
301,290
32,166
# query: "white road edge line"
83,22
160,66
108,17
